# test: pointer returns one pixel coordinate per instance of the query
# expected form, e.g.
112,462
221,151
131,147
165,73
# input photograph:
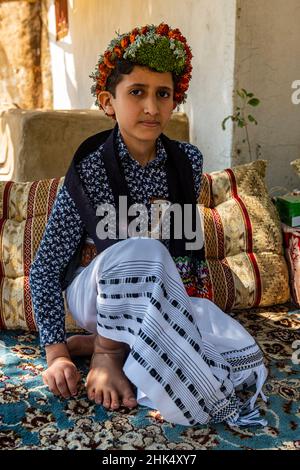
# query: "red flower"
106,60
163,29
172,35
125,42
102,82
188,52
176,34
185,79
144,30
118,51
182,86
133,34
102,68
177,97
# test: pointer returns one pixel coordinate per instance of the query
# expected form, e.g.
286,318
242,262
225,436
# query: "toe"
115,404
99,397
106,399
130,402
129,399
91,393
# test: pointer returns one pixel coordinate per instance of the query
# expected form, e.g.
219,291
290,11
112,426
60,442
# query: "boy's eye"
164,94
135,92
161,93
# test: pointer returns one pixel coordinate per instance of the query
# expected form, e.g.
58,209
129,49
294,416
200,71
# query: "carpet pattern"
32,418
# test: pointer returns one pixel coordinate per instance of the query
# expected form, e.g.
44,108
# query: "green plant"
241,115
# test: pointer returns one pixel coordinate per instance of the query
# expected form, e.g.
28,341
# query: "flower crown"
157,47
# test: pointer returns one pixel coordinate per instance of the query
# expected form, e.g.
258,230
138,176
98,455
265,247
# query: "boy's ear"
104,99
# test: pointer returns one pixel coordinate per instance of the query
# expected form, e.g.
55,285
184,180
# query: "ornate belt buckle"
159,207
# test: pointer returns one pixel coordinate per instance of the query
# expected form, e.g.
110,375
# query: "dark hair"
123,67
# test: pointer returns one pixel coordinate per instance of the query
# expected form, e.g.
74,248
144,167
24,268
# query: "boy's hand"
62,377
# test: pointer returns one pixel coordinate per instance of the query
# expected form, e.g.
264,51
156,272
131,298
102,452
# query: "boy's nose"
150,106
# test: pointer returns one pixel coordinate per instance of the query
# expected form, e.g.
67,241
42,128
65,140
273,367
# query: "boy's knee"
133,248
146,244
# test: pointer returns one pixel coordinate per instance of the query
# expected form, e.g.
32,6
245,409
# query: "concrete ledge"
37,144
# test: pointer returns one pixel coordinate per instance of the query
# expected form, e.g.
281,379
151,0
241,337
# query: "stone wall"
25,71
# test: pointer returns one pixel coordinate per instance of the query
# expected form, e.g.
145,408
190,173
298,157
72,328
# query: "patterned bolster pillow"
243,242
292,254
243,239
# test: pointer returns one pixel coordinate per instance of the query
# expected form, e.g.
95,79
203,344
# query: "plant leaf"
252,119
224,121
241,94
254,102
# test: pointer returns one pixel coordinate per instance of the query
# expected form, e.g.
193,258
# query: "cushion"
296,166
24,211
243,242
243,239
292,254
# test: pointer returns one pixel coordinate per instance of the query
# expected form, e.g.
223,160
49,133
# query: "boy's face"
143,103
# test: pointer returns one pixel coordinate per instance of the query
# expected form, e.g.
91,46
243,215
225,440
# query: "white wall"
209,26
267,62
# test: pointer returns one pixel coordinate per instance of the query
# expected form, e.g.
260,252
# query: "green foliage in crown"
159,53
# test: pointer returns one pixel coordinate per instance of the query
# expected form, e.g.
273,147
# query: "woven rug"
32,418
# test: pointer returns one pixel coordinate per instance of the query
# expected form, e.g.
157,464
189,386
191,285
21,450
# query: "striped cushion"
24,211
242,240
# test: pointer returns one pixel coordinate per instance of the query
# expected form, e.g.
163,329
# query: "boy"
182,353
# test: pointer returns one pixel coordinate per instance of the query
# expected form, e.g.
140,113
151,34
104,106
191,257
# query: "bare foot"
106,382
81,345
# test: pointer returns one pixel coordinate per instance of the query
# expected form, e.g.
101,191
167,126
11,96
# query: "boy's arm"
196,159
54,351
61,238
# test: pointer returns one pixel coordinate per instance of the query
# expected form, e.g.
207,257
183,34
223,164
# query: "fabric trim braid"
7,190
230,288
249,248
219,234
41,198
27,244
54,186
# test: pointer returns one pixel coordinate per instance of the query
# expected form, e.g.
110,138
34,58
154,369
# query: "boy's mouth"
150,123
